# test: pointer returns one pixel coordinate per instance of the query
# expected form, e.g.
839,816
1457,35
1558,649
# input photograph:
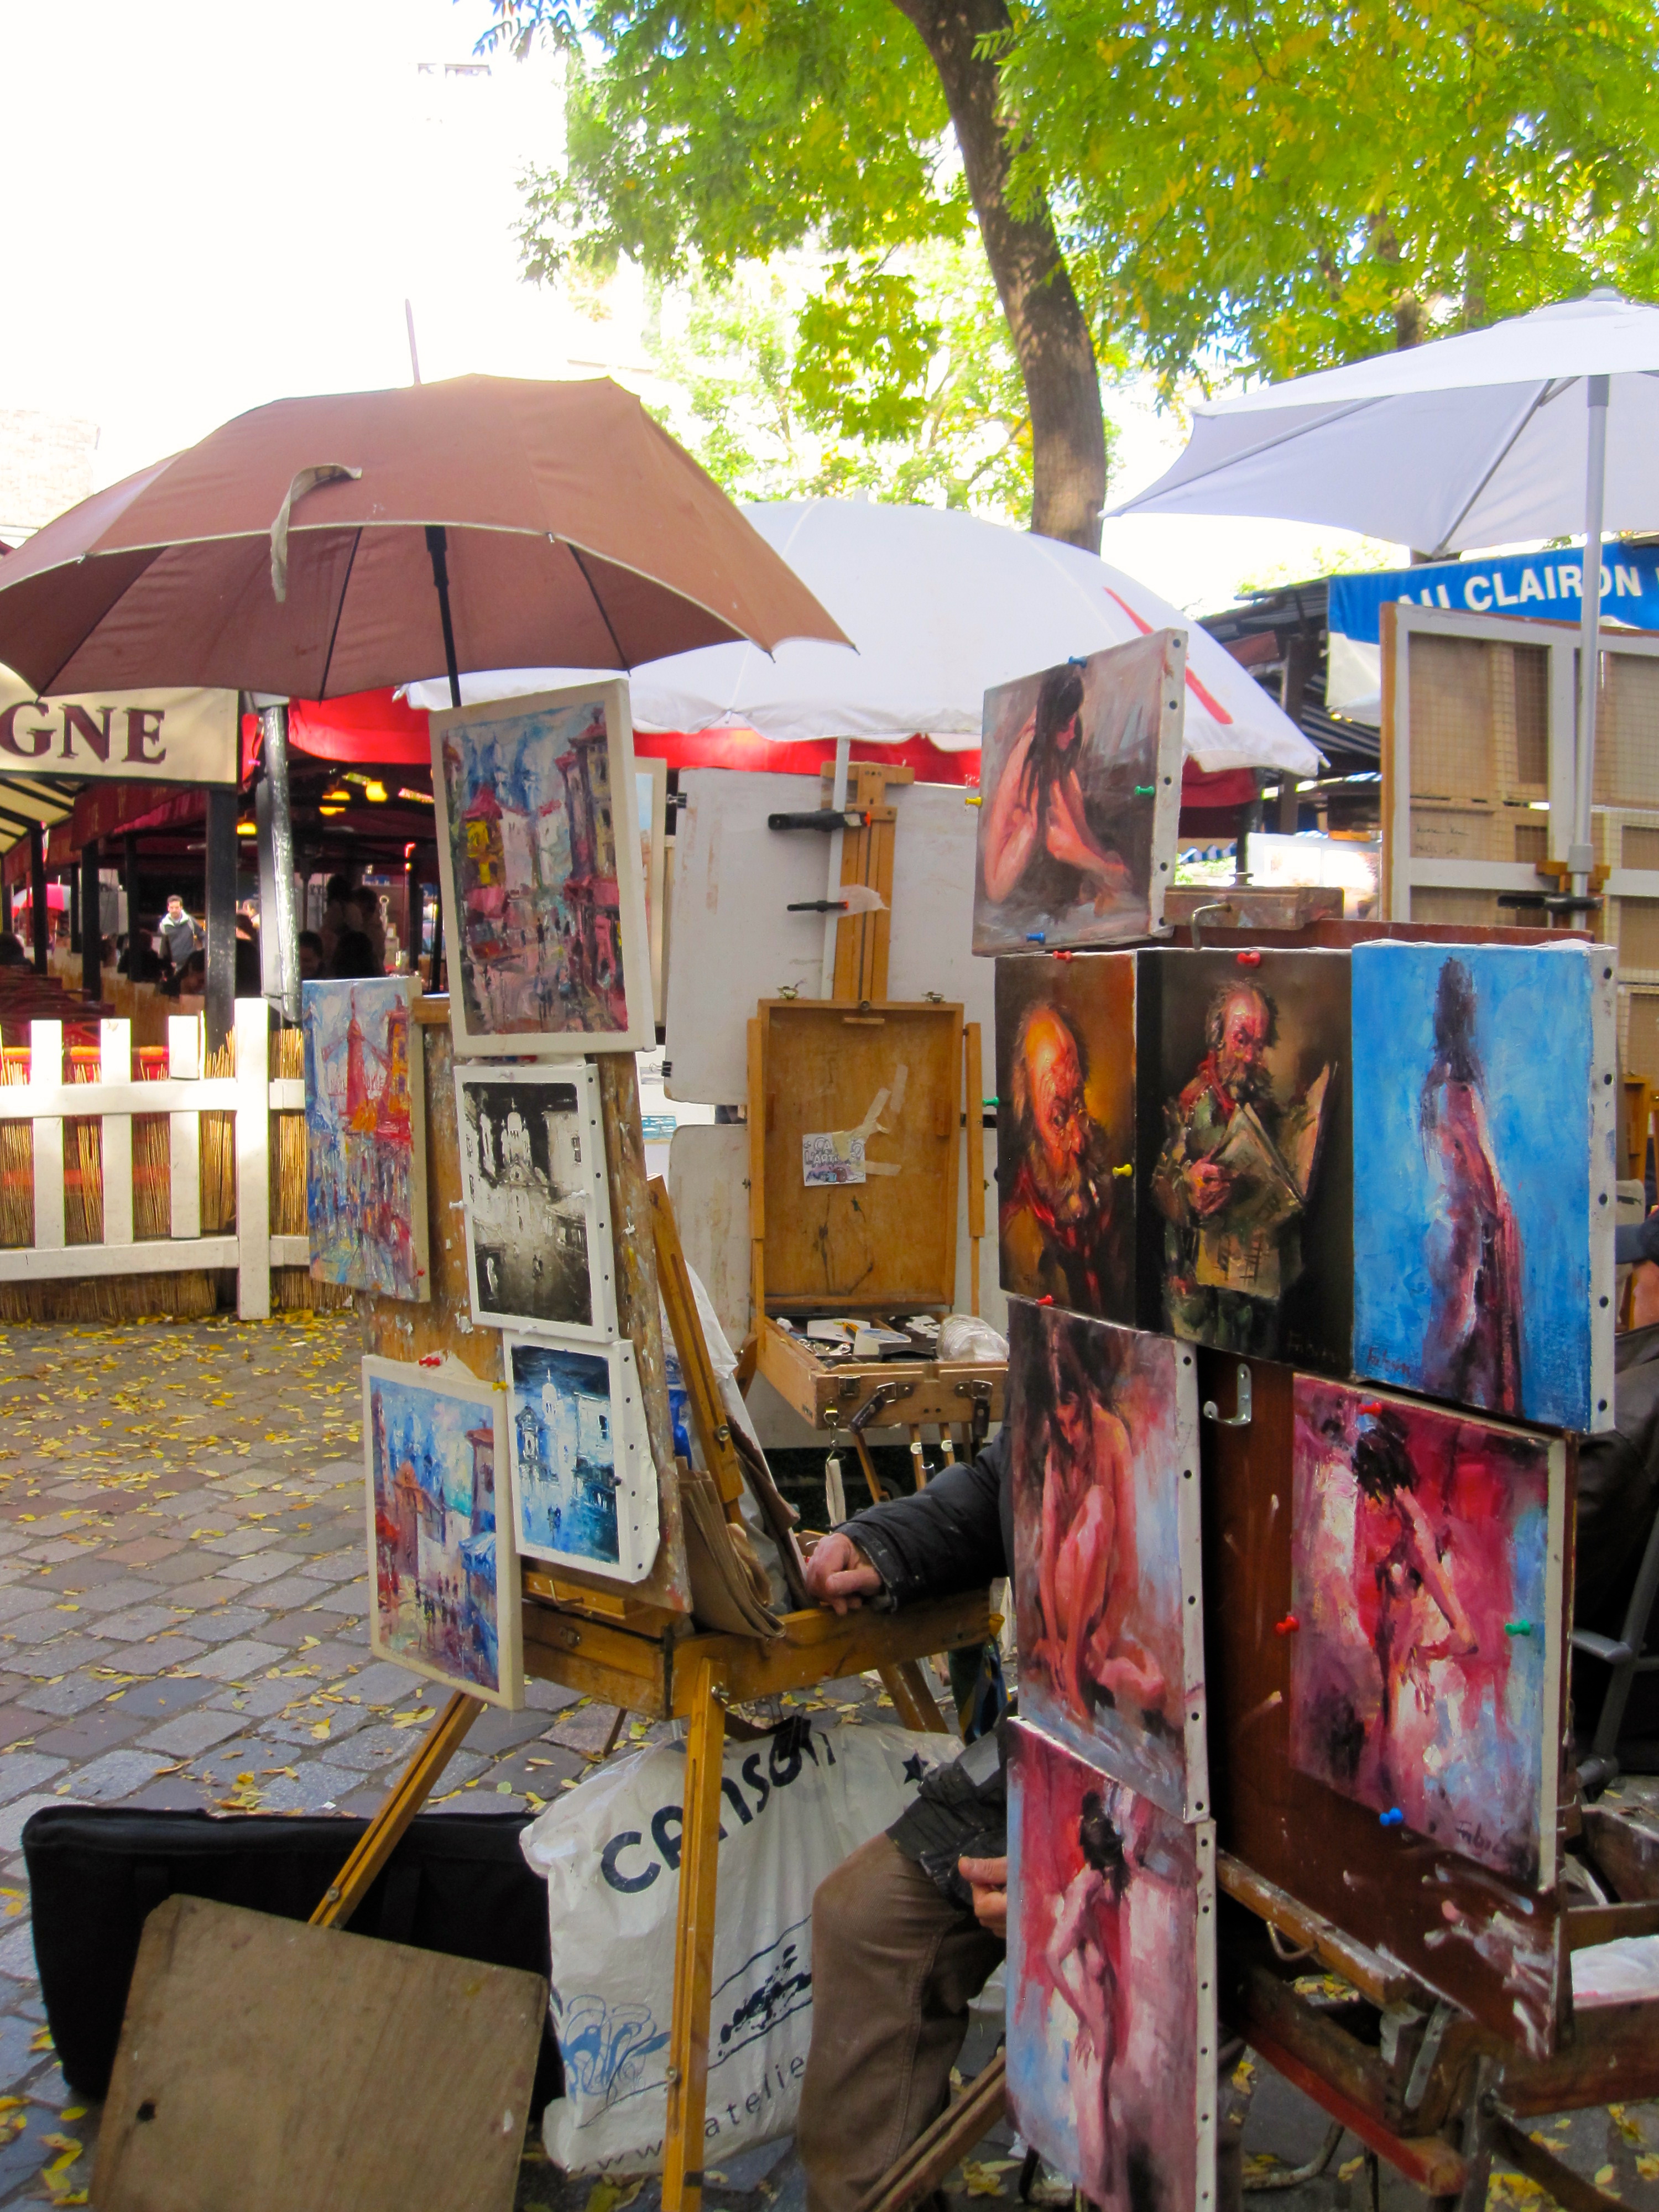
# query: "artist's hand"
838,1574
988,1880
1208,1188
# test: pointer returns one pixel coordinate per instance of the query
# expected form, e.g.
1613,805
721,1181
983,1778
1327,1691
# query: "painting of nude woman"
1426,1565
1080,770
1106,1548
1111,2027
1483,1175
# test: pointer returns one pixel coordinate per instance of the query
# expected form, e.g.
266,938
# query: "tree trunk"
1051,337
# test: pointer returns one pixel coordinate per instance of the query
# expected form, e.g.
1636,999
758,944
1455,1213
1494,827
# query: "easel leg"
878,1495
913,1702
409,1793
694,1947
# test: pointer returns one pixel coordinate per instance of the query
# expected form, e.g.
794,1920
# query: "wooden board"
733,944
708,1185
271,2065
886,1244
1487,1944
410,1333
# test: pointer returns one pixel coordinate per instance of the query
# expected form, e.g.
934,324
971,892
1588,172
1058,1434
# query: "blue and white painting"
1484,1176
584,1489
431,1447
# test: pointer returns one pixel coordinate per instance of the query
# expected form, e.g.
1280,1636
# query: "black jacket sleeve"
948,1537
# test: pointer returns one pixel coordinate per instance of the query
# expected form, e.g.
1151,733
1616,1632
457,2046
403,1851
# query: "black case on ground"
457,1883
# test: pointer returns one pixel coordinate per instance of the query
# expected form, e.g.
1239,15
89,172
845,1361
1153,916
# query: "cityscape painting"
431,1447
365,1138
537,1199
546,928
584,1485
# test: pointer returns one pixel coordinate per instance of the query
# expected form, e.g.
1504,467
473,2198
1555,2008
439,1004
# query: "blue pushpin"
1037,937
1393,1818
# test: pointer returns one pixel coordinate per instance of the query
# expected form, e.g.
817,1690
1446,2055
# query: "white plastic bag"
796,1805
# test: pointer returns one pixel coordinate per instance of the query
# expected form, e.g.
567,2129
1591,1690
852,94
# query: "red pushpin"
432,1359
1370,1405
1288,1626
1048,1299
1060,955
1249,959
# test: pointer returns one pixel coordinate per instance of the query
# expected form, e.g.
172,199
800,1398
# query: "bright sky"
230,204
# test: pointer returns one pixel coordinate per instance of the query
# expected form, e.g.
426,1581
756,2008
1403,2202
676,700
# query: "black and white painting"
536,1199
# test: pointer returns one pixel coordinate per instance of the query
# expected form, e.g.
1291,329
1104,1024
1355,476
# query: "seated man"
911,1927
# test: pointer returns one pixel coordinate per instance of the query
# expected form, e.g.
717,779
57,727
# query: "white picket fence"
184,1095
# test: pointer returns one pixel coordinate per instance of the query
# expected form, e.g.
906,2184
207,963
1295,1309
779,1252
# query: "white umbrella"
1535,428
941,607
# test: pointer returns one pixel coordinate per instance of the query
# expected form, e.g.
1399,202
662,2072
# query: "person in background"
189,979
179,931
354,957
12,954
314,961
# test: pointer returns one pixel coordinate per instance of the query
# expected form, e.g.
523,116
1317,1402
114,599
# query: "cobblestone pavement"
182,1603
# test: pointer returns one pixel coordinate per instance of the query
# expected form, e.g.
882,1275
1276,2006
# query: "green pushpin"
1517,1628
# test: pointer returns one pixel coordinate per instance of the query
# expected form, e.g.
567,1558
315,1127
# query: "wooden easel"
638,1649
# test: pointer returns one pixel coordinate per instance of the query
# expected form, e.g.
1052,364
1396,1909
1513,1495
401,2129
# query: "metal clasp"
1241,1419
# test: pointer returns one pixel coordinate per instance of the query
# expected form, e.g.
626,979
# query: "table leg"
694,1947
409,1793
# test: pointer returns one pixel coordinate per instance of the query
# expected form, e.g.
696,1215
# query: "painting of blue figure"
1484,1176
583,1492
431,1449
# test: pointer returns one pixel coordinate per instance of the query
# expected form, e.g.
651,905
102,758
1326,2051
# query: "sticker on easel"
831,1156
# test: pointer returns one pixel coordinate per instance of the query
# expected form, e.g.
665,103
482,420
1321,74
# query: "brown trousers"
893,1966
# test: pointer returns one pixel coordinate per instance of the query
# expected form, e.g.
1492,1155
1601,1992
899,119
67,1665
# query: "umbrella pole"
1581,857
437,544
283,919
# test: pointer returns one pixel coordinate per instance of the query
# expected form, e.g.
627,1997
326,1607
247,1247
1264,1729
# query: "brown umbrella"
295,549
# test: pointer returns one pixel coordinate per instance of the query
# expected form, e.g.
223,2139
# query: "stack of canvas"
1390,1166
549,963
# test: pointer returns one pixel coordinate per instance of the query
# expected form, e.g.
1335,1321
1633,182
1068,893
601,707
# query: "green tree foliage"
1263,185
902,384
1280,187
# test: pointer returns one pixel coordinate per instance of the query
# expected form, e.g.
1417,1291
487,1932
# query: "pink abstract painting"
1426,1565
1111,1980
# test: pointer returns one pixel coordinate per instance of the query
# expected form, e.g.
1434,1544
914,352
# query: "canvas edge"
1604,1169
1189,1541
509,1644
1557,1629
656,930
1166,807
1206,2086
585,1078
649,1489
640,1034
550,1339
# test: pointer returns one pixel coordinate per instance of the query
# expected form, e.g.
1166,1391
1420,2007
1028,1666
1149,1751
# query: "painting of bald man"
1247,1216
1066,1131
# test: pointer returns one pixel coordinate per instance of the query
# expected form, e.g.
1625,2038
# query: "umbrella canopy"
292,551
941,607
1499,434
1481,439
